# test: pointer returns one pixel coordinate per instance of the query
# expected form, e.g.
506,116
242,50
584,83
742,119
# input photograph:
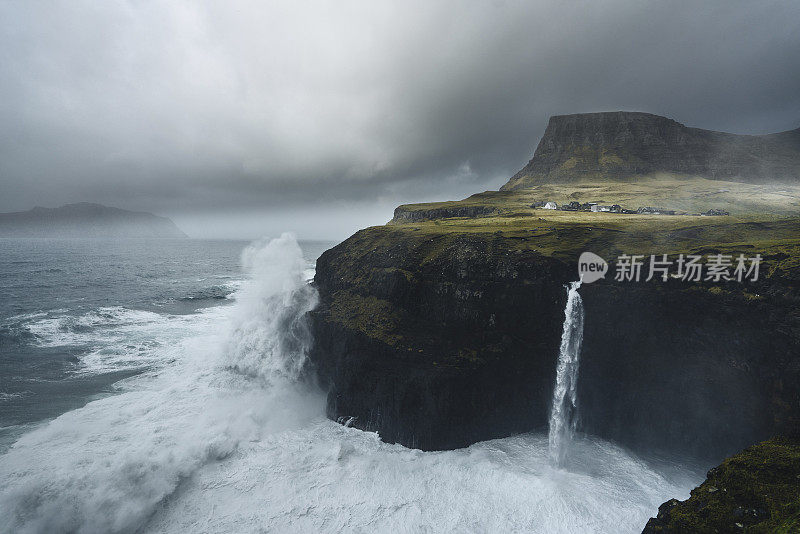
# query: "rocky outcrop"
422,339
757,490
437,341
625,145
406,214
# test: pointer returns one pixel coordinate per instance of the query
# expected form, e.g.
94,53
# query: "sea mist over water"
270,336
107,466
223,434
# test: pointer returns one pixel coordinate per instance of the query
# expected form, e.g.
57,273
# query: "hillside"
451,312
629,146
86,220
685,196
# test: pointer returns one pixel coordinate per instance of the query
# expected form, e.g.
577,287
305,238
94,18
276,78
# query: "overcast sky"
242,118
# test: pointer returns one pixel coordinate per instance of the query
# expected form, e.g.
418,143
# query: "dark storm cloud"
185,106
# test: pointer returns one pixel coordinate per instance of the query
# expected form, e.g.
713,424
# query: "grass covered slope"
630,146
402,255
756,491
689,195
504,229
419,317
764,219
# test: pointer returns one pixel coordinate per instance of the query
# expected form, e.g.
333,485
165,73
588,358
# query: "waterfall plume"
564,409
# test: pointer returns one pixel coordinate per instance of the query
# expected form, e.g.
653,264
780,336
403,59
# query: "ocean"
161,386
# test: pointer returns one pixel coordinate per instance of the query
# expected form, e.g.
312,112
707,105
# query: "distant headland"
630,146
85,219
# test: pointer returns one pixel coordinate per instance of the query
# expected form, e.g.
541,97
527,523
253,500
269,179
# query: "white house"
551,206
598,207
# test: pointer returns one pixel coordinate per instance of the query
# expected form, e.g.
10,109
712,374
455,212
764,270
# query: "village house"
713,212
655,211
612,208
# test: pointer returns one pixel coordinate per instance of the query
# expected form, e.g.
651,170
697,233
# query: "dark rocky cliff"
403,214
688,370
423,340
624,145
441,340
442,328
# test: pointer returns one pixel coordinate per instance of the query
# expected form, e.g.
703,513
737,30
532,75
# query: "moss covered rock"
438,335
755,491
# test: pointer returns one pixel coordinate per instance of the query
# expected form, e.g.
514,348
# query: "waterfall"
564,409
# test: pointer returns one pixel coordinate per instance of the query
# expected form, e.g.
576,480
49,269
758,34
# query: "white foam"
329,478
269,337
11,396
106,466
197,445
103,325
119,339
147,344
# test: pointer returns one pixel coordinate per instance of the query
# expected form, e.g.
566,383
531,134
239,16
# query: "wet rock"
760,491
440,340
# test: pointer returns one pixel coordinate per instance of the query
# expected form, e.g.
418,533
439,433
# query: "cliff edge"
441,333
442,327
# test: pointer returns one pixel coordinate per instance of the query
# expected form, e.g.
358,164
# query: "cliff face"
439,340
443,327
686,370
422,339
403,214
624,145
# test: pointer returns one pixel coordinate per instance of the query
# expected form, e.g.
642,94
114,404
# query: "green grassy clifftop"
421,318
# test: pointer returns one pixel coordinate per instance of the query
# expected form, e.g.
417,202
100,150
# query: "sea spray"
226,380
269,337
203,443
564,409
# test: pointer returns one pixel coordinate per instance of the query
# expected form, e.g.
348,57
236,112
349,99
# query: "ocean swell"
106,467
225,435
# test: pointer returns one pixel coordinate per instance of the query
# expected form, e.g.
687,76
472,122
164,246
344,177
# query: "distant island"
85,219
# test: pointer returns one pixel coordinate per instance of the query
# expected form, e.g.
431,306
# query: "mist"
245,118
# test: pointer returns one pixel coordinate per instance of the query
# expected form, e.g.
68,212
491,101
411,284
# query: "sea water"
161,386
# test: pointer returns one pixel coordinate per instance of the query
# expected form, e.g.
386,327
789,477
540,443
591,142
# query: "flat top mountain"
85,219
634,160
624,145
